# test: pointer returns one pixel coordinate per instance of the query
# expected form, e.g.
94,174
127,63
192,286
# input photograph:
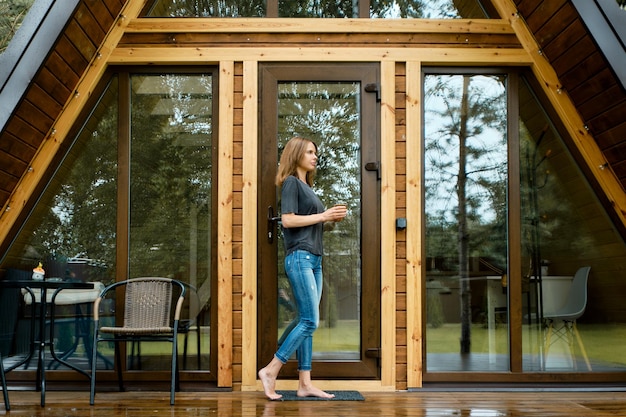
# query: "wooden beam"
415,224
249,251
566,110
388,222
311,25
225,225
58,132
427,55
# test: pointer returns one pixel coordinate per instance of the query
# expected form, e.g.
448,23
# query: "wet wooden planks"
483,404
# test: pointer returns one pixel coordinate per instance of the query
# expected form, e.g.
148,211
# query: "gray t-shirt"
298,198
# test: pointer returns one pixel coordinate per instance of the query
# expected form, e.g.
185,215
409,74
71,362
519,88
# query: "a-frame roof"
61,43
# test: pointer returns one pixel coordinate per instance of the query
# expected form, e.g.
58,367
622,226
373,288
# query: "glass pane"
71,231
171,188
564,228
328,114
207,8
427,9
465,118
318,8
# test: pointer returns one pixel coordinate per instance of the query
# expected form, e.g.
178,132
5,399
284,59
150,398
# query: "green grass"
603,342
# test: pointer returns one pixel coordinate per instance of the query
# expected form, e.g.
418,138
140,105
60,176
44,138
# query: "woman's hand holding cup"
339,212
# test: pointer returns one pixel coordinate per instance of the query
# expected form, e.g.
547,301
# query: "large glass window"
171,183
71,231
83,218
564,229
562,302
423,9
427,9
465,162
207,8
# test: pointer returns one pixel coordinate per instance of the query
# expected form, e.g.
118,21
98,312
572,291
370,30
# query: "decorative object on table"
38,273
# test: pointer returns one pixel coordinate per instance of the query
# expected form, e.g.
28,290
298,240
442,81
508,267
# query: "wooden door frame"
270,74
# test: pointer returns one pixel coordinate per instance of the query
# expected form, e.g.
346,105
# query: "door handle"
373,166
271,223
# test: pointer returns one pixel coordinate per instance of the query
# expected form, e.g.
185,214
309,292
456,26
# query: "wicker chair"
191,320
5,390
147,317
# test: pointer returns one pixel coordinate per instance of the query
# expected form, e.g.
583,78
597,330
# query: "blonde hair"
290,159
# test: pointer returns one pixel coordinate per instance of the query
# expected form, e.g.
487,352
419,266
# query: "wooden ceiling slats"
63,73
55,87
592,87
563,20
583,70
595,105
66,62
619,168
89,24
564,39
101,13
24,132
612,137
609,118
12,166
81,41
542,15
567,62
16,147
44,101
526,7
615,153
35,117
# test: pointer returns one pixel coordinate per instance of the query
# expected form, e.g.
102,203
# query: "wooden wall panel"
400,157
238,205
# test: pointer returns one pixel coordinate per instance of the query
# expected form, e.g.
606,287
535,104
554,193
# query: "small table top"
33,283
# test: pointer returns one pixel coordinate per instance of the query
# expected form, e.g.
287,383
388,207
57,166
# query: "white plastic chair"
568,314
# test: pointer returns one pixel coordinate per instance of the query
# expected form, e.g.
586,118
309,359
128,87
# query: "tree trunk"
463,237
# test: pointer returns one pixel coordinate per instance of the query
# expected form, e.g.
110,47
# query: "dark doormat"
339,396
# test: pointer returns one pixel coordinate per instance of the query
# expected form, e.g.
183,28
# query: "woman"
302,217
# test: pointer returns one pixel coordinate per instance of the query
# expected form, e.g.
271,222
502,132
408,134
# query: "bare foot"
311,391
269,384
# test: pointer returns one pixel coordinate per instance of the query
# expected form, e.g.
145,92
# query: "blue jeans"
304,271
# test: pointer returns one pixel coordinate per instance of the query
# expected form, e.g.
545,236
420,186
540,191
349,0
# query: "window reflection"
207,8
318,8
564,228
72,232
171,184
391,9
466,180
427,9
329,114
72,228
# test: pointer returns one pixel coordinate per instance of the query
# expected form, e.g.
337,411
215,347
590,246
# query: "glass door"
330,105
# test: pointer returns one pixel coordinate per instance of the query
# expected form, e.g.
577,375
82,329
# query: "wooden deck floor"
427,404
